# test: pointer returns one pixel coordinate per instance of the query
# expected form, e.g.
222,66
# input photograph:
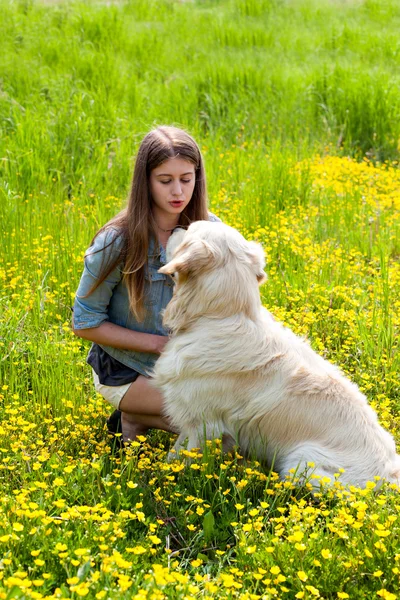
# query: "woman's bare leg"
141,409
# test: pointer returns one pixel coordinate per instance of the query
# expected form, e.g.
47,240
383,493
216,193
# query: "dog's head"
206,246
217,271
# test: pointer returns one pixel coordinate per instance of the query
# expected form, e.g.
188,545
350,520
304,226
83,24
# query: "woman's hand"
161,343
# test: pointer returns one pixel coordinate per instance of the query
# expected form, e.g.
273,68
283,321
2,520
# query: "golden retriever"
230,368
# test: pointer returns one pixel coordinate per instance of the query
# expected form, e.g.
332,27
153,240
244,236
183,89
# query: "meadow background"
295,104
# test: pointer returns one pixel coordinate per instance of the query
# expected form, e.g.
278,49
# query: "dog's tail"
394,471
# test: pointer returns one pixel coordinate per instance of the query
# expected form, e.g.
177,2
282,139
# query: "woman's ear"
257,257
189,258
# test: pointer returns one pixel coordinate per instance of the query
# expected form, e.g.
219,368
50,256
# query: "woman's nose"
177,189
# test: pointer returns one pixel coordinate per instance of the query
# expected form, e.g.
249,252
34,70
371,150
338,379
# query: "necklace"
165,230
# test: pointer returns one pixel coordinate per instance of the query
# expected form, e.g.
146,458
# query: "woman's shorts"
112,393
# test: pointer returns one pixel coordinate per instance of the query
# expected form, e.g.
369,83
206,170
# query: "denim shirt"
110,301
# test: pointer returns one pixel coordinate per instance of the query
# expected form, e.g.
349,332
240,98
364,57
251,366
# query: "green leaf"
83,570
203,557
208,526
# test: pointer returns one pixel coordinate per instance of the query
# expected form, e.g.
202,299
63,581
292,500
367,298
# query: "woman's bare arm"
116,336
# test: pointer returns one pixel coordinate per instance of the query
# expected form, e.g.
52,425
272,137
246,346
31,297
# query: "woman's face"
171,186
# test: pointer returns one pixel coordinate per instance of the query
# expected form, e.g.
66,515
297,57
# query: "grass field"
296,105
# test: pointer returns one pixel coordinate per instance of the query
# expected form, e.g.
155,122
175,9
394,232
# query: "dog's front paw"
172,455
187,442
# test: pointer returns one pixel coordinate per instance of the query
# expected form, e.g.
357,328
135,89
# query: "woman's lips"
176,203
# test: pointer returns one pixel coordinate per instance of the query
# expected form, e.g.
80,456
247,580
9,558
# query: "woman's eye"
182,180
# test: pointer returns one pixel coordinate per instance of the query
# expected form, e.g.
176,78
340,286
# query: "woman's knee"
142,398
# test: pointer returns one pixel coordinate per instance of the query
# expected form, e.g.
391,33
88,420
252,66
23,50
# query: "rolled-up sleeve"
92,310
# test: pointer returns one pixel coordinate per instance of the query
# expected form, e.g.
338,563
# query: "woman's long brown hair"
136,223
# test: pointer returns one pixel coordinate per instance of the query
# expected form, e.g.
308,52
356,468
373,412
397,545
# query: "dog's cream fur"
231,368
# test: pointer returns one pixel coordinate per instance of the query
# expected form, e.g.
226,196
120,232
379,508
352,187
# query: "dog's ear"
190,257
174,241
257,257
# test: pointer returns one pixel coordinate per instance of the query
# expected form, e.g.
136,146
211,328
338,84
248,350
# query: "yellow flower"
382,532
342,595
59,503
58,482
154,539
302,575
137,550
380,546
229,581
326,553
313,590
386,595
275,570
82,589
61,547
300,547
297,536
81,551
316,562
197,562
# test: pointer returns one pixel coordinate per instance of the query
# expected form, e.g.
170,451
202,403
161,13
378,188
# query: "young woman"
121,295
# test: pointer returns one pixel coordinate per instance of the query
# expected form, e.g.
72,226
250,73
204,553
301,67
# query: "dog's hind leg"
306,473
228,443
309,463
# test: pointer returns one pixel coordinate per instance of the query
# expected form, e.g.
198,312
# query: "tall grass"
92,79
